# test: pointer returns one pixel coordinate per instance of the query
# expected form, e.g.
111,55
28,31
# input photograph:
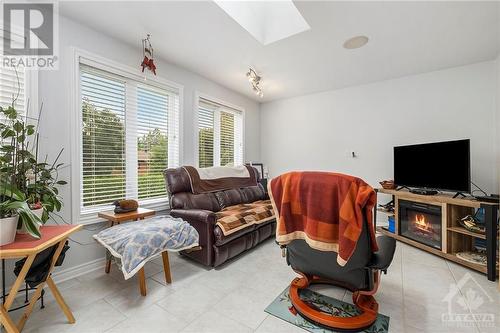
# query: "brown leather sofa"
199,210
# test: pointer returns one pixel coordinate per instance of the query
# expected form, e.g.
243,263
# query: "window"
19,83
220,134
129,134
12,86
103,138
19,87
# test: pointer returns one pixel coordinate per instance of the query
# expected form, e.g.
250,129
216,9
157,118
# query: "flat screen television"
440,165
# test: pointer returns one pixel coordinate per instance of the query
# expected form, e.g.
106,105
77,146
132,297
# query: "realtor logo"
37,21
465,301
30,34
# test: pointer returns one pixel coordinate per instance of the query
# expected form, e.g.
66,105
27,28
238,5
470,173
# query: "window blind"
13,80
103,137
220,135
227,141
152,141
206,137
12,85
130,135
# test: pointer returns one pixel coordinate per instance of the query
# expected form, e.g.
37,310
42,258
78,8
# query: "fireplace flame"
421,224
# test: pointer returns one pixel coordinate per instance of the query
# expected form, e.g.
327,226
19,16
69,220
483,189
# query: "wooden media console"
453,237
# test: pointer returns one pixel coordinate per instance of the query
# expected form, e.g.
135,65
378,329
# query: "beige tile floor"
233,297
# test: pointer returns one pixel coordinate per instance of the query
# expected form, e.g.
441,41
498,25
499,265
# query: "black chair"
361,275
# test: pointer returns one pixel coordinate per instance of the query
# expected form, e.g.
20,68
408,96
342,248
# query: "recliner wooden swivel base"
361,275
363,300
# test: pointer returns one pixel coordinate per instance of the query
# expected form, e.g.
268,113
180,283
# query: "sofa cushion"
234,218
221,239
242,243
185,200
253,193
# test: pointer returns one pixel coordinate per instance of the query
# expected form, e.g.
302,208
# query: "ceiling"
405,38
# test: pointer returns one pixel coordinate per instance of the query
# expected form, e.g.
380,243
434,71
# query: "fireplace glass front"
420,222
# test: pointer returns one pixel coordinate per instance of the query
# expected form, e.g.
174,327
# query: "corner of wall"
497,120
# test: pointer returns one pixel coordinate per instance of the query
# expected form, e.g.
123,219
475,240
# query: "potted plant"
41,190
35,181
13,205
15,160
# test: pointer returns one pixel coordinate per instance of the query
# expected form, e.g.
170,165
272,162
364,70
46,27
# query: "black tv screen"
440,165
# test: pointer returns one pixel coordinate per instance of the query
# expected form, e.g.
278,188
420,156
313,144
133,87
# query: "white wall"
315,132
497,169
55,125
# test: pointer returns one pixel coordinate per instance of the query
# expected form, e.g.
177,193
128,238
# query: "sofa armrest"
195,215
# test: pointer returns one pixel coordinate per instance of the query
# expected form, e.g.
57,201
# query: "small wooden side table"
24,246
139,214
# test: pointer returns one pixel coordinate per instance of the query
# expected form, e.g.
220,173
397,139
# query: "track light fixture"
254,80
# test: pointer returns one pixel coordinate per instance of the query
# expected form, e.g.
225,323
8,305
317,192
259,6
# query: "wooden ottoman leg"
166,267
107,269
142,282
108,266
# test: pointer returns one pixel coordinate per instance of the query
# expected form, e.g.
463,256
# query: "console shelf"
462,230
454,237
448,256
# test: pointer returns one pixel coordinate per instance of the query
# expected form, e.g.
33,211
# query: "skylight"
266,21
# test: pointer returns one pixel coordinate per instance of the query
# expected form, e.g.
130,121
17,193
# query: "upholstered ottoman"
134,244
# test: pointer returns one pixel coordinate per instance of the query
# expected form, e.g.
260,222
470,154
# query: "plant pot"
38,212
8,227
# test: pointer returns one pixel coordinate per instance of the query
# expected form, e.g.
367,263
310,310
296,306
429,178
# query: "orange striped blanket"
326,210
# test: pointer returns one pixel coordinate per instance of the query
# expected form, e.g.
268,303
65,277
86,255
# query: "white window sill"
89,216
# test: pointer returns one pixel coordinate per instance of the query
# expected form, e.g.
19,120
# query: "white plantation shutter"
9,87
153,137
205,137
220,135
13,84
103,137
138,139
227,141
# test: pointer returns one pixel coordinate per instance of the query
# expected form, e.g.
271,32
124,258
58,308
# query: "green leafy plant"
42,191
34,183
14,159
13,202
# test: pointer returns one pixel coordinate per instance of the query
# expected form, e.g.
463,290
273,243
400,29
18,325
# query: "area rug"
282,308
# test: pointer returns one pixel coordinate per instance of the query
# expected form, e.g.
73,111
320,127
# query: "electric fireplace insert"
421,222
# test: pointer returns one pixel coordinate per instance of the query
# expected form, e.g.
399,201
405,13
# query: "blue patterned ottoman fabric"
135,243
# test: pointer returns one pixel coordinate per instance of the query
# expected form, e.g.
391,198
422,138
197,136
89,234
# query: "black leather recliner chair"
361,275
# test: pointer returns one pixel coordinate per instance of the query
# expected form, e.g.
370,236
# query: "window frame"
199,95
88,216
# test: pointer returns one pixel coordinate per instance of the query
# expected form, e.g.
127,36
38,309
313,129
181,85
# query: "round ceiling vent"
355,42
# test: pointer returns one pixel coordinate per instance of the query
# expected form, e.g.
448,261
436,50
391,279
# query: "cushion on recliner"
235,218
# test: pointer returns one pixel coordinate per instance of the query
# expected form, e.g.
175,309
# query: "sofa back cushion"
181,197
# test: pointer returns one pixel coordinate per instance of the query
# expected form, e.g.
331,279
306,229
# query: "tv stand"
455,238
459,194
423,191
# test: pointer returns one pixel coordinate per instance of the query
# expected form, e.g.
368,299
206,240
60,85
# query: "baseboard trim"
76,271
